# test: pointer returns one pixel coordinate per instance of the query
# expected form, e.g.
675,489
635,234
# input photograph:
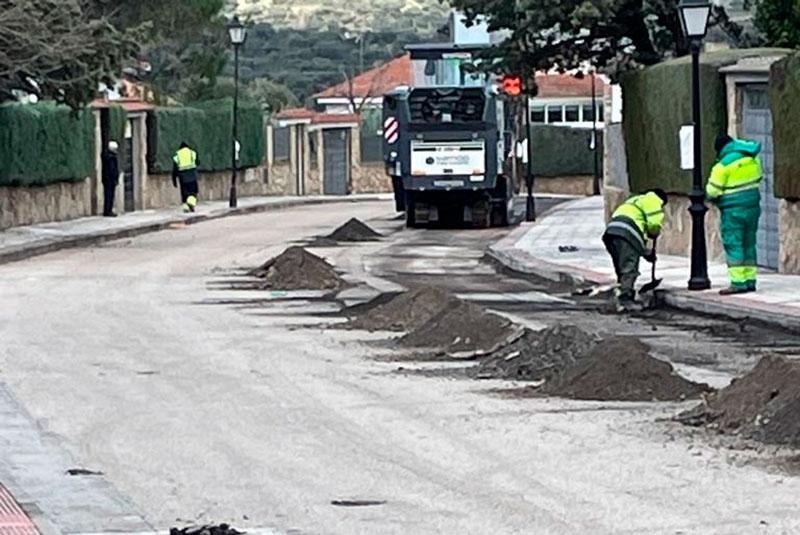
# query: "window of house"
572,113
588,114
537,114
555,114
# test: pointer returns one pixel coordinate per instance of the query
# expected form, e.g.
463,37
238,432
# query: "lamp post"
694,20
237,33
530,202
596,188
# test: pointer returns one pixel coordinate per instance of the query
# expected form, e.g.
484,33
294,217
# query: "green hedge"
207,127
657,102
784,96
44,143
564,151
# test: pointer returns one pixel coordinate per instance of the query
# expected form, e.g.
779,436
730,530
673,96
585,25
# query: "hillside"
422,17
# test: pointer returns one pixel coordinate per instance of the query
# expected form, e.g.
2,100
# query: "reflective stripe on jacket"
185,159
736,177
638,218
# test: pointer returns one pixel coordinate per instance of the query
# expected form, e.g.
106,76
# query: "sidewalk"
534,249
24,242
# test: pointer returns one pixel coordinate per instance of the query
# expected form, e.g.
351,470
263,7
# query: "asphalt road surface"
121,360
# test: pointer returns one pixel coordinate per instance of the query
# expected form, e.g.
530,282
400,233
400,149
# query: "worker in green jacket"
734,187
632,225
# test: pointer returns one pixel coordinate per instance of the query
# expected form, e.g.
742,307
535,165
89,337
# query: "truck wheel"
411,212
500,215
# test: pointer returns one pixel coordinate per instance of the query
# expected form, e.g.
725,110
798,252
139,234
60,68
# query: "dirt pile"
763,405
354,230
538,355
405,312
297,269
461,327
622,369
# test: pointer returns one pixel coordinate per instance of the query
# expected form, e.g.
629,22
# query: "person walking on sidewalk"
637,220
110,178
184,170
734,187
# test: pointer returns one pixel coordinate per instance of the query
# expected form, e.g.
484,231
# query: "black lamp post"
237,33
530,201
694,19
595,155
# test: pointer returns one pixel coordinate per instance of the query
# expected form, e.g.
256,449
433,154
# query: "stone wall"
370,178
565,185
676,238
789,256
54,202
215,186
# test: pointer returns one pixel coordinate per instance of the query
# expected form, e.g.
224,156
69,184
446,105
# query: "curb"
22,252
521,262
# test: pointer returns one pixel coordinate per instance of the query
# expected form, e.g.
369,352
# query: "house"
566,99
367,89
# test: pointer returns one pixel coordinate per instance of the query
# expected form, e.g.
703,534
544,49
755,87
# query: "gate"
757,126
129,197
336,172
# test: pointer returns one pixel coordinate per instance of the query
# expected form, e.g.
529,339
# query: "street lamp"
694,20
530,200
237,33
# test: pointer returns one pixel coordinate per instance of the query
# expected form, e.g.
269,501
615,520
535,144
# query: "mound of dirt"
460,327
354,230
404,312
763,405
297,269
537,355
622,369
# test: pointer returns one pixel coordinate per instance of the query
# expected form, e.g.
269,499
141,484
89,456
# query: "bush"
657,102
784,95
563,151
207,127
45,143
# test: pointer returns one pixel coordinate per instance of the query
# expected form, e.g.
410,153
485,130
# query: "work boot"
186,209
733,290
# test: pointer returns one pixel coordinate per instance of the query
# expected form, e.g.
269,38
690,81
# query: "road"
119,359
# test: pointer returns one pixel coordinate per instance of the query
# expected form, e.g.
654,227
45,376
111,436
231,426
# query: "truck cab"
447,140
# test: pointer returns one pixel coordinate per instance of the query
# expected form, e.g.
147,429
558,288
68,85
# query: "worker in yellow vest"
184,170
735,188
632,225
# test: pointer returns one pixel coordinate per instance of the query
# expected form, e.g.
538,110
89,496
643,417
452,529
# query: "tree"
358,97
778,22
56,49
185,42
271,94
612,35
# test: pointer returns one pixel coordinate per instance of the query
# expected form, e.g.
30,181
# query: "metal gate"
130,204
757,125
336,173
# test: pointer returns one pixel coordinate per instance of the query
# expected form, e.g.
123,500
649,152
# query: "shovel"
654,282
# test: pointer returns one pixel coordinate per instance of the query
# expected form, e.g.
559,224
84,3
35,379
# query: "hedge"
564,151
207,127
44,143
784,96
657,102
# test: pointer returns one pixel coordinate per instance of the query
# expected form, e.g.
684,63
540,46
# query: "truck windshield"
447,72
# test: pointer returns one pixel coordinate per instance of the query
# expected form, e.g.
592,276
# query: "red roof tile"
375,82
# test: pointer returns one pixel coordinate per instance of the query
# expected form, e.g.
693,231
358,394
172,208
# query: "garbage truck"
447,141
